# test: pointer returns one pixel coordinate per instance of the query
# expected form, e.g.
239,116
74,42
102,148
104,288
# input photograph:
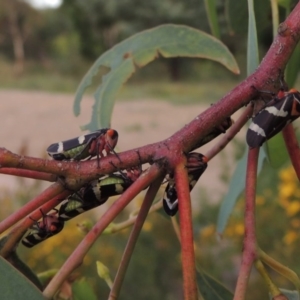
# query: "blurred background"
46,47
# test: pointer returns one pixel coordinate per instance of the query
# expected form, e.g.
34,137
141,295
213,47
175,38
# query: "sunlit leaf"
15,286
137,51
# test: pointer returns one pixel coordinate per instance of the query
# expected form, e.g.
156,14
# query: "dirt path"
40,118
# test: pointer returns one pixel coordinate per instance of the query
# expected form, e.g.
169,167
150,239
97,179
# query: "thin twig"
249,250
186,232
75,259
150,195
16,233
32,205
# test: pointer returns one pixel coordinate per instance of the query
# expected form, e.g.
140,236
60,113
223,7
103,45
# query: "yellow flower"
293,208
287,190
290,237
287,174
239,229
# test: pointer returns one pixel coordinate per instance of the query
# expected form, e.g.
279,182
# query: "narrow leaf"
236,187
252,46
211,11
276,151
292,68
138,51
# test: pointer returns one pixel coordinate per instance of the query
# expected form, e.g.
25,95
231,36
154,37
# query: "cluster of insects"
97,192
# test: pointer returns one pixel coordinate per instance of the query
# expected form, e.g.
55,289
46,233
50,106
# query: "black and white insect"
49,226
216,131
85,146
96,193
272,118
196,165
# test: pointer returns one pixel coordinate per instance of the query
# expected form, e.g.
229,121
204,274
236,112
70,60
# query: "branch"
249,251
75,259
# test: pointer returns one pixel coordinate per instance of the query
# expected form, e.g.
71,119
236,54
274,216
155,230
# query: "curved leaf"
14,285
139,50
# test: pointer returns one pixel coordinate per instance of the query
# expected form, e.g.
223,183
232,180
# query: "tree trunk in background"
16,36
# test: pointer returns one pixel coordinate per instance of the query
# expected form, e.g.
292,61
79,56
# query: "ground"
39,119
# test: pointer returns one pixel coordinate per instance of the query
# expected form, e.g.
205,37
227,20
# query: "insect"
85,146
273,117
96,193
196,165
216,131
44,229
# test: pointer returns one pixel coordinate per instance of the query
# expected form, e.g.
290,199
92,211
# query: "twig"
35,203
75,259
150,195
186,232
249,251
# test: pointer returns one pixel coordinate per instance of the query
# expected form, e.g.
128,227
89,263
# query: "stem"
279,268
249,251
274,290
186,232
231,132
29,174
150,195
76,258
16,233
35,203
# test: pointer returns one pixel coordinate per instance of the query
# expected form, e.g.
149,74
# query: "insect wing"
271,120
59,148
170,201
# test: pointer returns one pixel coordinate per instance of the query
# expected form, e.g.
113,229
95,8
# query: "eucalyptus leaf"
15,286
139,50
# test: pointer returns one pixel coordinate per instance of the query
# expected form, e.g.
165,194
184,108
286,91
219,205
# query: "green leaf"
14,286
252,45
284,3
292,68
236,13
211,11
138,51
276,151
210,288
16,262
236,187
82,290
